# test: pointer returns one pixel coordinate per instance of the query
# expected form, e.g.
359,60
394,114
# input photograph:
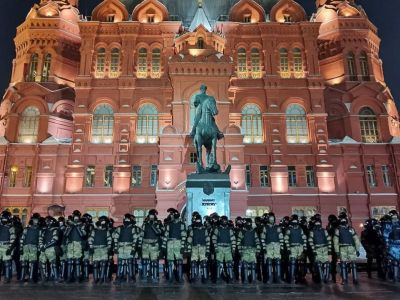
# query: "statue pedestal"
208,193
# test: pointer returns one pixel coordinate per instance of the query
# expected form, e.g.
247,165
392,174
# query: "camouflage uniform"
198,247
99,247
296,244
394,251
29,249
249,247
75,235
225,245
49,249
126,238
347,245
273,243
321,244
174,245
7,240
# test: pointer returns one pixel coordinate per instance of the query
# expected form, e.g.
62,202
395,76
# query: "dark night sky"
383,13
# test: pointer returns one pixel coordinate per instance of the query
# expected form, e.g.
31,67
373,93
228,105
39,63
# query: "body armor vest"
248,239
295,236
224,236
320,237
345,236
32,236
175,230
395,234
4,233
271,234
74,235
125,234
149,233
100,237
48,235
199,236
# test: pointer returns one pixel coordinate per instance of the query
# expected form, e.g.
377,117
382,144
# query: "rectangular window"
110,18
248,176
153,175
97,212
387,181
292,178
371,176
378,212
27,176
264,176
247,19
90,176
140,214
257,211
108,176
304,211
21,212
13,176
136,176
310,176
193,157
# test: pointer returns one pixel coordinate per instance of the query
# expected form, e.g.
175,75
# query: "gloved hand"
163,252
42,248
110,252
133,253
288,251
207,254
91,251
358,253
8,251
182,251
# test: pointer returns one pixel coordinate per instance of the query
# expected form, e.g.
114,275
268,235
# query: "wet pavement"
367,289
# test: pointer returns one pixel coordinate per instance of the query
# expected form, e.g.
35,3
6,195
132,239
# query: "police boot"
118,278
327,271
193,272
63,270
343,272
253,273
131,270
229,268
86,270
70,269
320,272
292,269
43,272
180,271
54,272
155,271
278,271
204,271
102,272
23,271
171,272
143,274
245,271
395,267
95,272
32,267
354,272
269,271
8,271
78,270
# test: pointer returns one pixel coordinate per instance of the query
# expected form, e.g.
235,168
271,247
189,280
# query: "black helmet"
6,217
87,218
50,221
153,212
76,213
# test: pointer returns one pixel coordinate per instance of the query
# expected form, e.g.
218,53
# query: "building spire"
200,18
200,3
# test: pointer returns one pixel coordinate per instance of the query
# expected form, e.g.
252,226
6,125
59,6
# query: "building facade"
99,109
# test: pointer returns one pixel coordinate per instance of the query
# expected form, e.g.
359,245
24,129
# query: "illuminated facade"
99,108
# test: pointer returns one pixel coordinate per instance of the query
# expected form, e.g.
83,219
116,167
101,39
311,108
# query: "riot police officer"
296,243
394,251
174,243
224,241
7,239
273,245
99,248
63,247
126,239
87,220
198,247
321,244
49,249
149,246
75,235
30,248
249,248
347,247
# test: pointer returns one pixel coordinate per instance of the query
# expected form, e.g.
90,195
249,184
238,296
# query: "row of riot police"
215,248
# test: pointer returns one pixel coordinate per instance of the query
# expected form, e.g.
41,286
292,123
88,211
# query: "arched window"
142,63
255,63
147,125
251,124
351,65
103,124
114,65
200,43
297,63
364,66
296,125
242,63
284,63
29,125
156,63
100,63
33,67
46,67
368,126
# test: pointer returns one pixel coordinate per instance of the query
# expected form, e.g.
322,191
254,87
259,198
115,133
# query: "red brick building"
99,108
